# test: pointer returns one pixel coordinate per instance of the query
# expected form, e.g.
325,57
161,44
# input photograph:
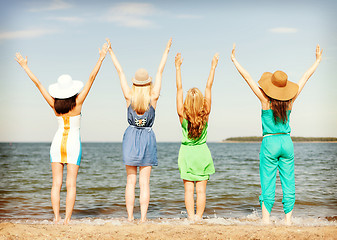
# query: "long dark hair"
63,106
280,109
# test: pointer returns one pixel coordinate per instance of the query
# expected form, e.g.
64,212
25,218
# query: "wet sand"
163,231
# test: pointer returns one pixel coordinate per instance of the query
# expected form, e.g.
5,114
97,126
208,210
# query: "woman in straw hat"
66,98
139,141
277,96
195,160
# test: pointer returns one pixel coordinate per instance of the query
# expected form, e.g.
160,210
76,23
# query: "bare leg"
288,218
189,198
57,171
131,179
201,198
144,184
265,215
72,170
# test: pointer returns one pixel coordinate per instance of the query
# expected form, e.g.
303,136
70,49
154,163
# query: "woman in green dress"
195,161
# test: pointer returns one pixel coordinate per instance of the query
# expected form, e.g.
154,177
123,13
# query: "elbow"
155,96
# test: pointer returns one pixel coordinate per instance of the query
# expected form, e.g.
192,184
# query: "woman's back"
270,127
189,141
144,120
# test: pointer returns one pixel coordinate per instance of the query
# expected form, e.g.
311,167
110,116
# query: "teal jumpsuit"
277,152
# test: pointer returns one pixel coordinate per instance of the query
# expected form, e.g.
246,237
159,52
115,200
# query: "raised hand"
22,61
233,53
178,60
102,53
215,60
109,44
318,53
169,43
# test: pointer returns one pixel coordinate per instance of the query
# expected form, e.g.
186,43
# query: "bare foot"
131,219
287,221
142,220
266,221
288,218
66,221
265,215
57,220
197,218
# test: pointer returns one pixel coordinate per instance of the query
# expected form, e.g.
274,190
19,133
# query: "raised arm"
157,84
180,97
124,84
84,93
252,84
209,84
309,72
23,63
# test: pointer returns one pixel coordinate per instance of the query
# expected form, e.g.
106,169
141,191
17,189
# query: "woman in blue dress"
139,141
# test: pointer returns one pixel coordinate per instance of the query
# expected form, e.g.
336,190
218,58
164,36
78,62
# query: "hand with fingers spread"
318,53
178,61
22,61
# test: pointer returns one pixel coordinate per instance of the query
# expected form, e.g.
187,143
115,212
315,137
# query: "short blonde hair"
141,98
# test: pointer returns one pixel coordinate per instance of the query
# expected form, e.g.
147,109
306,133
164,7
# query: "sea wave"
252,219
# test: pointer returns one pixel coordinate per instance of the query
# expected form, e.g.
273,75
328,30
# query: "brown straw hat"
141,77
277,86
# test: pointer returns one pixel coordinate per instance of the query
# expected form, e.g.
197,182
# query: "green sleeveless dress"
195,160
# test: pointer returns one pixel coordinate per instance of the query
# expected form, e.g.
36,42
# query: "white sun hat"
65,87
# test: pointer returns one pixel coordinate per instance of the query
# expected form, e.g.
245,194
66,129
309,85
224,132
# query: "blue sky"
63,36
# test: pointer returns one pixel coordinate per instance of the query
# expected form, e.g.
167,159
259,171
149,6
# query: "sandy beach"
163,231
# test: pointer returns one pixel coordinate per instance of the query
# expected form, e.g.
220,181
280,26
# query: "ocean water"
232,192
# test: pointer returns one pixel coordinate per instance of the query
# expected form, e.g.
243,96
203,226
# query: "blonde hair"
195,112
141,97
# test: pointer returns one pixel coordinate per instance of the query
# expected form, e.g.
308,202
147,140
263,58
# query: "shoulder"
265,104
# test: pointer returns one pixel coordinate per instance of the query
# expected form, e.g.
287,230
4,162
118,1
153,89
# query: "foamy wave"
251,219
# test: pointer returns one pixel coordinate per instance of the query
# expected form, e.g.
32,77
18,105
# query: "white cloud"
283,30
54,5
32,33
68,19
132,14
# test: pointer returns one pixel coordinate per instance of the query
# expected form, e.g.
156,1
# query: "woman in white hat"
277,96
139,141
66,98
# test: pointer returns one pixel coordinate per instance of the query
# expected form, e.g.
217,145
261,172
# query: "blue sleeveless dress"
139,140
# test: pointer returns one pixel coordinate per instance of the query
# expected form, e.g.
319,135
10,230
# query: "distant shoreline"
255,139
